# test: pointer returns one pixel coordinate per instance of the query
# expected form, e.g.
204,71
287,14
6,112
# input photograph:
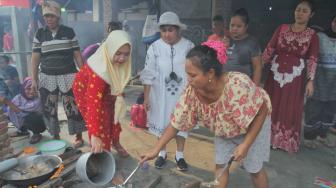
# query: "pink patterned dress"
293,57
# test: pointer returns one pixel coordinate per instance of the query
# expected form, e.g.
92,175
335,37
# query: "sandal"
19,133
121,150
78,143
310,144
326,142
35,138
274,147
332,130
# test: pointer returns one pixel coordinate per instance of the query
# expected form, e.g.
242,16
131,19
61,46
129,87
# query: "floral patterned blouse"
230,115
285,50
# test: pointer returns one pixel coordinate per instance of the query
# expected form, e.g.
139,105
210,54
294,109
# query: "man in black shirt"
9,75
55,48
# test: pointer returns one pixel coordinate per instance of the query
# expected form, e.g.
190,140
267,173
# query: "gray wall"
139,49
264,22
87,32
195,13
19,19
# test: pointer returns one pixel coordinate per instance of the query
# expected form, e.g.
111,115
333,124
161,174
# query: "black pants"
33,122
319,116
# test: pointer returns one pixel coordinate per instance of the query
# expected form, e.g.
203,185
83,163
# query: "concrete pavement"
284,170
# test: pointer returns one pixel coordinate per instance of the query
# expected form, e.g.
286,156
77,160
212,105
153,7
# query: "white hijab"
116,75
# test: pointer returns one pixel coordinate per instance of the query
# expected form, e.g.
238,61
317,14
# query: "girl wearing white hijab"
98,88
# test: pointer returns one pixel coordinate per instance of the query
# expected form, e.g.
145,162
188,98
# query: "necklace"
173,75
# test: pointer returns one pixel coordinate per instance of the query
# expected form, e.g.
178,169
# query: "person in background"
98,90
11,61
91,49
10,75
4,91
164,79
219,101
244,54
8,40
126,26
320,109
55,48
218,29
292,52
27,114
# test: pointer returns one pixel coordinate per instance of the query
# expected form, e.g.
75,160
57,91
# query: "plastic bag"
138,116
150,31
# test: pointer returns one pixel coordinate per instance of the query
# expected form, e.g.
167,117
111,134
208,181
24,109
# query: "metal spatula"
215,181
123,185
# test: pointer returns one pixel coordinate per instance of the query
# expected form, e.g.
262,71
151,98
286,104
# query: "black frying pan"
52,161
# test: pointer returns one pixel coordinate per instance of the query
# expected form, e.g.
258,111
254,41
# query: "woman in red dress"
98,88
292,52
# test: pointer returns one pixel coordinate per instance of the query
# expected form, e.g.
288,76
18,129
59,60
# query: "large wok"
32,170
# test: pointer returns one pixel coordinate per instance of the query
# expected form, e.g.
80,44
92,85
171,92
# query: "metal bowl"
97,169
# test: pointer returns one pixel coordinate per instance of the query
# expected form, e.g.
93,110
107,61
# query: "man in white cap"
164,79
54,49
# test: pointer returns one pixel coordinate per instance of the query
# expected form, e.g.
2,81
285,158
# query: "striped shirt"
56,50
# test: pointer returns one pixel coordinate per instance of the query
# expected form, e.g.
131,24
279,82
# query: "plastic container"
96,169
52,147
138,116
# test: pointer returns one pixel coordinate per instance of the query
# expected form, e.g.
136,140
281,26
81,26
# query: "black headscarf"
329,32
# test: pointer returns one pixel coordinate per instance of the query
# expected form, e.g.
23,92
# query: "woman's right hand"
34,86
96,145
146,105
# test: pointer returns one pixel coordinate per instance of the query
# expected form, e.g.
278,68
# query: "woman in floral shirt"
230,105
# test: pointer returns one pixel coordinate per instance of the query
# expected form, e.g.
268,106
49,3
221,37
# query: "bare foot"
121,151
79,142
332,129
326,142
57,137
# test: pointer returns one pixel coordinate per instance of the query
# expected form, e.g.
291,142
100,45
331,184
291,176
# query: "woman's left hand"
3,100
240,152
310,88
96,144
148,156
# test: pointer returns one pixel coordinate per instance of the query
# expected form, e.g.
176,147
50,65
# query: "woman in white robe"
164,79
